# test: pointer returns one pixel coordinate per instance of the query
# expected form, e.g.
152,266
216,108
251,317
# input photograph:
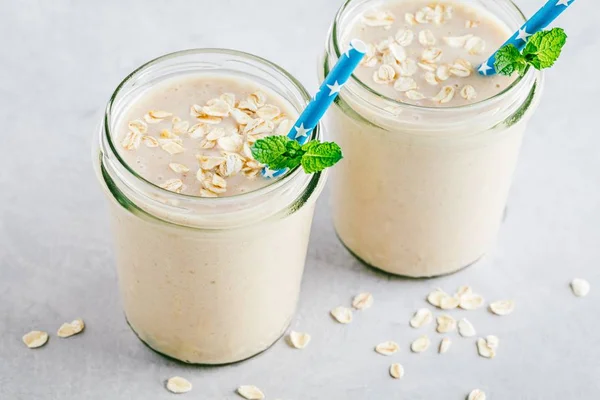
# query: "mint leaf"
541,51
509,60
543,48
319,156
270,150
277,152
293,154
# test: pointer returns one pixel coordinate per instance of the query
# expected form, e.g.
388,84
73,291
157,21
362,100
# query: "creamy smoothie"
430,146
210,254
424,53
193,135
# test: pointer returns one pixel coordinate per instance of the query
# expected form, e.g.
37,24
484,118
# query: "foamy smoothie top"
193,134
425,53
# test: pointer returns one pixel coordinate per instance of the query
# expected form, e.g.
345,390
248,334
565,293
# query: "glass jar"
207,280
421,191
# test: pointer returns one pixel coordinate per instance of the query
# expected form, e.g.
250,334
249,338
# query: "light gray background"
60,61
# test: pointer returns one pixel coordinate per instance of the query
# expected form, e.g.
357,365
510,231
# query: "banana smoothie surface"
427,54
193,134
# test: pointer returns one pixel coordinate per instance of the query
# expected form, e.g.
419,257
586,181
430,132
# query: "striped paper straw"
329,90
541,19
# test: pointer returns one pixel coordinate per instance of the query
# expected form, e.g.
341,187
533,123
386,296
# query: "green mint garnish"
279,152
541,51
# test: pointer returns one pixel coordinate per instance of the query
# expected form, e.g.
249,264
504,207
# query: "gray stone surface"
60,61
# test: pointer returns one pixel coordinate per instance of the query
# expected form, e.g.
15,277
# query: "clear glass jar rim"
520,81
289,177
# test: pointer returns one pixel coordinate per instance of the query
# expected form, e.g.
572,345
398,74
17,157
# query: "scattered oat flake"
410,19
138,126
476,395
156,116
449,302
209,162
444,345
207,144
457,42
414,95
207,193
259,125
71,328
468,92
475,45
580,287
35,339
445,323
422,317
150,141
471,302
231,143
445,95
178,384
407,67
431,55
404,37
132,140
173,185
216,133
258,98
404,84
397,52
231,166
250,392
217,108
180,127
179,168
421,17
387,348
471,24
463,291
502,307
435,298
420,344
426,37
268,112
362,301
461,68
197,131
487,347
431,78
377,18
172,147
167,134
396,371
228,98
427,66
385,74
465,328
442,72
299,340
342,315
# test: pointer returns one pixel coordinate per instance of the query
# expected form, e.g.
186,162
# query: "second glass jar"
421,191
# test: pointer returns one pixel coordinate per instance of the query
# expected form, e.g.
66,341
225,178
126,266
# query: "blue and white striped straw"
541,19
329,90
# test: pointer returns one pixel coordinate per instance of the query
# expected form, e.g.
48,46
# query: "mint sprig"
541,51
279,152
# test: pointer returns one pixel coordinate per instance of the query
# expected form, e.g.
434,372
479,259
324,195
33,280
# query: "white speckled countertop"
60,61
